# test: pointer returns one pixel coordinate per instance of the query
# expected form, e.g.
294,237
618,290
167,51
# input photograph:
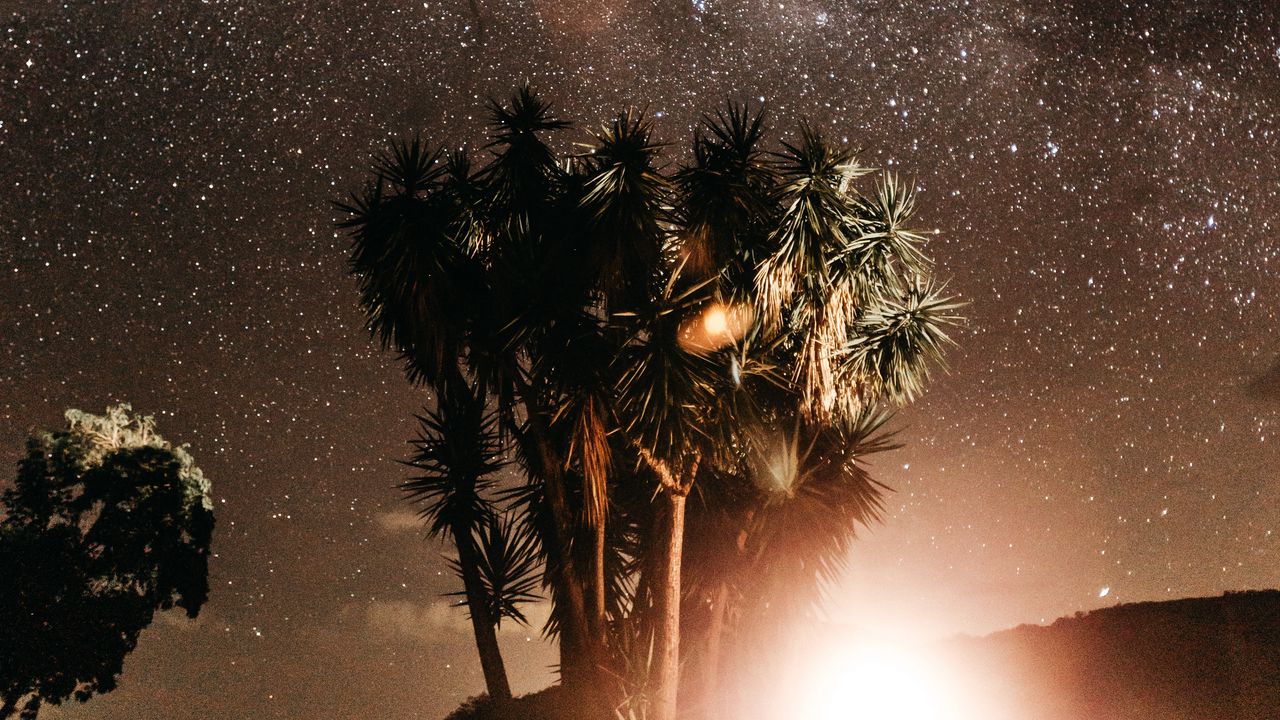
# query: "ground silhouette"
1215,658
1200,658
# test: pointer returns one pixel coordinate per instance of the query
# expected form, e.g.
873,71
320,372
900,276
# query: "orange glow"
716,321
717,326
875,679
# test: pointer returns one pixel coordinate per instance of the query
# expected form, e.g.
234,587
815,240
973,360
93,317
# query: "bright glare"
716,321
875,681
715,327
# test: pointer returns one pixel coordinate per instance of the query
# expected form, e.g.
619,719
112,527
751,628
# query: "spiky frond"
818,492
527,502
727,198
812,228
410,167
522,179
665,386
884,241
411,269
622,198
510,567
467,194
899,340
525,114
455,455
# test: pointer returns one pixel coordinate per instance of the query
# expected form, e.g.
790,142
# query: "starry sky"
1104,176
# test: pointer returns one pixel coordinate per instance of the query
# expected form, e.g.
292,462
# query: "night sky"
1104,176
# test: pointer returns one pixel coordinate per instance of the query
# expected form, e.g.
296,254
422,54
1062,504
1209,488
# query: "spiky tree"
457,454
725,332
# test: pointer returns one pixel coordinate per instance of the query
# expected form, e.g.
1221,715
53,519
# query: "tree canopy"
106,523
689,364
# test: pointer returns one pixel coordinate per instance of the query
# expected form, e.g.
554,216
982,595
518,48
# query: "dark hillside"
1203,658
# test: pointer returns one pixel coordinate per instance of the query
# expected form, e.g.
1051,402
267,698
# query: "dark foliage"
727,330
106,524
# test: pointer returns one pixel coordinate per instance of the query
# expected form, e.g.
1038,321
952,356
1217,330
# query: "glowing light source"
717,326
716,321
876,681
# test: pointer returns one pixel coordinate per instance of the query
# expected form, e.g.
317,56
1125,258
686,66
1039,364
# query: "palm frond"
622,198
883,237
409,263
814,176
727,197
664,386
799,539
510,567
524,114
899,341
467,194
528,502
455,455
523,179
410,167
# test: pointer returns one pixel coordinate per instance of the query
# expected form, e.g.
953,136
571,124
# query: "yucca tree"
452,267
456,456
717,341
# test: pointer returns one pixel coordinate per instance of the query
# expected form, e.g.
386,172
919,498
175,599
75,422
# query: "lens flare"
875,681
716,322
717,326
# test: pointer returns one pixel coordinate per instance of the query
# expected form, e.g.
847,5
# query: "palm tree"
457,453
763,377
715,343
452,267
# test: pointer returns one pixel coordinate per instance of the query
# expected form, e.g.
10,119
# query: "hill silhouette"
1212,658
1215,658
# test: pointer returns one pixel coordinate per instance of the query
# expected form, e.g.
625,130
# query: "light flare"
717,326
876,680
716,321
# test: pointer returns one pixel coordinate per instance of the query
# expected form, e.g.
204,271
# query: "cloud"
434,622
399,520
424,622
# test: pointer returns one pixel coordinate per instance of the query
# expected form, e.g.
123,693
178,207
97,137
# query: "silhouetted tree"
106,523
458,451
727,331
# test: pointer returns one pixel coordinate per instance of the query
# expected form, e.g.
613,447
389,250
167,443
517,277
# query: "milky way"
1103,176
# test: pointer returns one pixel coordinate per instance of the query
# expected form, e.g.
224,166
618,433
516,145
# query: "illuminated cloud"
424,622
399,520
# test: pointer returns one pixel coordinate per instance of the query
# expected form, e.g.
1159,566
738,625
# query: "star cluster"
1103,176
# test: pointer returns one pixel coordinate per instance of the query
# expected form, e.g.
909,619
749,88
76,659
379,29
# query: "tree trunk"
711,662
482,623
664,678
596,608
582,652
578,652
